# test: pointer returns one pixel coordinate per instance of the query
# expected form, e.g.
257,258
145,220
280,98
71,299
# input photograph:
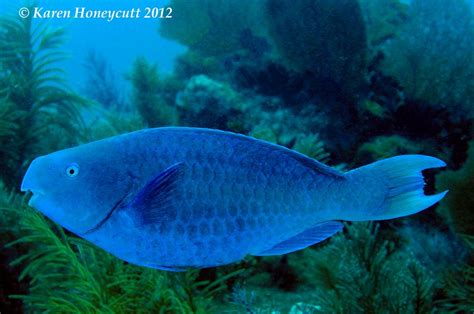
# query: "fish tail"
394,187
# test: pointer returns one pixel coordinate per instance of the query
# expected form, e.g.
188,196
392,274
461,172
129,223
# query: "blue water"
120,41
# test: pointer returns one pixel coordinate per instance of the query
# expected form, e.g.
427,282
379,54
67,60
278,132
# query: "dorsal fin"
305,160
304,239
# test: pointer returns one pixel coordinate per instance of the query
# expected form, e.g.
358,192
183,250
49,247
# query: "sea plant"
34,98
101,84
383,19
210,103
328,39
192,63
151,95
457,206
102,123
363,271
460,286
216,26
67,274
381,147
312,146
431,56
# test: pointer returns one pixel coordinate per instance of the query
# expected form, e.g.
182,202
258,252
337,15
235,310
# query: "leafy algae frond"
34,100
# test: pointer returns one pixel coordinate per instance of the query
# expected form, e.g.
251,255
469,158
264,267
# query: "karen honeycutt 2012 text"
107,14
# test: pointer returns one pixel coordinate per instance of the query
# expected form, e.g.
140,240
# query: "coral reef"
436,250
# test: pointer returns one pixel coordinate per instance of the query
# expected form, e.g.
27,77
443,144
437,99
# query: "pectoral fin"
304,239
153,203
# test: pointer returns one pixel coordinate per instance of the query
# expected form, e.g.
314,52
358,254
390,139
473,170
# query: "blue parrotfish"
175,198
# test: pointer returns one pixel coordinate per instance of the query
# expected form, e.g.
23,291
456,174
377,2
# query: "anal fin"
304,239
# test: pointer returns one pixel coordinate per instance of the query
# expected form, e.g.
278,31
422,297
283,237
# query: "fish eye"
72,170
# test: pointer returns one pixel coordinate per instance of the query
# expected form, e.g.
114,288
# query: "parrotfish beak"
31,181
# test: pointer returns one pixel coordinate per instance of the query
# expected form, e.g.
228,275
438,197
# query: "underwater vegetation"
460,291
151,95
352,82
101,82
329,39
383,19
34,103
216,27
458,206
67,274
363,272
426,62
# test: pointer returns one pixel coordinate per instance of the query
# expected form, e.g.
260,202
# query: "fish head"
75,187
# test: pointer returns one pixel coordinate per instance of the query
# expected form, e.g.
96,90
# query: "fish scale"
172,198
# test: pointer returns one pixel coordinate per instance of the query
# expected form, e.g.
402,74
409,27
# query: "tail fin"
402,181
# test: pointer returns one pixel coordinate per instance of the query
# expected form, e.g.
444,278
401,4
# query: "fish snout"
31,180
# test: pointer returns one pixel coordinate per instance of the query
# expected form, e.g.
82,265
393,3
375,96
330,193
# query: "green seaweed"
206,102
149,95
457,206
67,274
431,56
192,63
34,100
312,146
328,40
460,286
215,27
361,271
381,147
109,123
383,18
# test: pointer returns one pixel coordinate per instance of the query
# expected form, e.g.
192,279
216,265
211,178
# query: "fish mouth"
35,194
